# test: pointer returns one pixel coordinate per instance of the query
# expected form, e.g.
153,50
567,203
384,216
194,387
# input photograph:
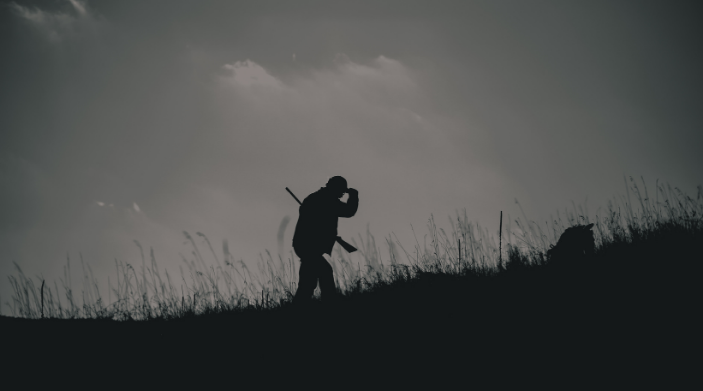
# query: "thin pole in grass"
42,299
500,240
459,241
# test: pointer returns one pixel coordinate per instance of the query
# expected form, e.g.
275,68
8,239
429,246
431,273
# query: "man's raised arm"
349,208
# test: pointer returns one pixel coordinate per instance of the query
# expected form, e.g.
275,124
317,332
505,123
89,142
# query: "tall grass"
221,283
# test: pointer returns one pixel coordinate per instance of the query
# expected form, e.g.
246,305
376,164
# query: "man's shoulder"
315,195
313,198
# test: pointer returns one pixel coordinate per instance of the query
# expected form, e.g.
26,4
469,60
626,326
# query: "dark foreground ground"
627,318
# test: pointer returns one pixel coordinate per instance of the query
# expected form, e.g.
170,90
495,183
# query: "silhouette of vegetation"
643,247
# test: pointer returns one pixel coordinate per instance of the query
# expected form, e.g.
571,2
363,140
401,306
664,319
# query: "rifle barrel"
296,198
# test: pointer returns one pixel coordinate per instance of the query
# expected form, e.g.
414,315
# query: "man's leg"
326,275
307,280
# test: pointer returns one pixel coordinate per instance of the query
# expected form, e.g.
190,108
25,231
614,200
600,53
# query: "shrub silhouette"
576,243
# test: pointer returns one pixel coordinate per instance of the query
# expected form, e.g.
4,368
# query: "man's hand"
353,192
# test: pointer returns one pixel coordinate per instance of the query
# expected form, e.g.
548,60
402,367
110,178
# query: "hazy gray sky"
125,120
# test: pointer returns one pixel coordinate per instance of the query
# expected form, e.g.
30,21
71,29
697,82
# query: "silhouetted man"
315,234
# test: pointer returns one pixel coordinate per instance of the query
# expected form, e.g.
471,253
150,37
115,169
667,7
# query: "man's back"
316,229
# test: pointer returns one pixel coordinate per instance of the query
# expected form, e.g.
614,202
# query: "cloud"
248,73
136,207
79,7
376,108
57,26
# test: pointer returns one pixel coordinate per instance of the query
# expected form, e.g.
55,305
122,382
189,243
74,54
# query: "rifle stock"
346,246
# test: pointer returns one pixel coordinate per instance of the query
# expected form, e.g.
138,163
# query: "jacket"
316,230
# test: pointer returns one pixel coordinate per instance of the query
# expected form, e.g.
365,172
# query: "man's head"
337,186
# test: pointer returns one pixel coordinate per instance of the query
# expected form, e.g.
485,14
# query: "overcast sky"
124,120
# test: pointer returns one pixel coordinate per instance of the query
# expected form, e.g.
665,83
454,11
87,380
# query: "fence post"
42,299
459,240
500,240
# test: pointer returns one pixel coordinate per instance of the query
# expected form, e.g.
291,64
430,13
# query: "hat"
337,182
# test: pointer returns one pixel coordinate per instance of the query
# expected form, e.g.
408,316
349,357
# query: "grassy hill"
629,310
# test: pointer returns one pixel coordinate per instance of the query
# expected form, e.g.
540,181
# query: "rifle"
345,245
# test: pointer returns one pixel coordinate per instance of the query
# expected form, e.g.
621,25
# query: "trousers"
314,267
